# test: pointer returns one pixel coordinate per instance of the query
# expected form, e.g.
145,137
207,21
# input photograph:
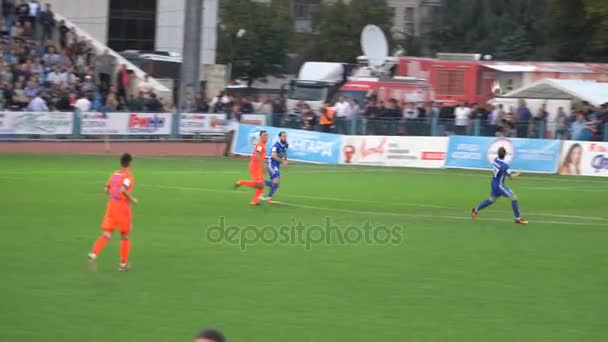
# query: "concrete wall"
92,16
89,15
170,28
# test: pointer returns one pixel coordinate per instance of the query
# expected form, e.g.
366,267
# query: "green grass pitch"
448,279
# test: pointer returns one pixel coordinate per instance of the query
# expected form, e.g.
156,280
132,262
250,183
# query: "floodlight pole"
191,50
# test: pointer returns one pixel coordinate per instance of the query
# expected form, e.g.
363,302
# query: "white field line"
447,217
464,217
344,200
337,170
170,172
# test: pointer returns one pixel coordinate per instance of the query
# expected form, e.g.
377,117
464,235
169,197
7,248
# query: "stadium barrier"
531,155
584,158
36,123
305,146
117,125
425,152
469,152
465,152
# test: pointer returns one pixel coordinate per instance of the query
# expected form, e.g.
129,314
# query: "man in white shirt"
461,118
343,112
410,112
83,104
38,104
493,119
34,10
342,108
54,76
146,86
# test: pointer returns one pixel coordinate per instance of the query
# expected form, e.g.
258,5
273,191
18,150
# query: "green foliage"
514,47
340,27
567,30
265,43
486,26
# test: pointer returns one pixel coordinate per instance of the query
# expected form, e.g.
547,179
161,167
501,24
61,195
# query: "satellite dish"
374,45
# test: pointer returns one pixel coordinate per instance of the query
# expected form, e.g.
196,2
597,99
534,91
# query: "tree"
264,45
486,26
340,26
514,47
568,29
597,13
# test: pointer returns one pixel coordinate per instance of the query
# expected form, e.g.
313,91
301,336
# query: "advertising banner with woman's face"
584,158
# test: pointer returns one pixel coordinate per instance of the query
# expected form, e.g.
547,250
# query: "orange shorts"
257,175
111,221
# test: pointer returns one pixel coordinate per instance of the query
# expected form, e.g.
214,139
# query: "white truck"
317,83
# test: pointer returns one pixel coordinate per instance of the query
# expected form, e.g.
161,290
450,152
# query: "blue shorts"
501,191
274,172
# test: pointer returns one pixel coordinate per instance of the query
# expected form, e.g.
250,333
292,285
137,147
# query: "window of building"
132,25
409,13
391,11
301,11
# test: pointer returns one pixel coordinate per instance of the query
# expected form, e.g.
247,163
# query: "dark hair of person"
211,334
502,152
125,160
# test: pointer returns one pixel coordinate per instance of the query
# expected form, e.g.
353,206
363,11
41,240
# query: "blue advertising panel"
533,155
306,146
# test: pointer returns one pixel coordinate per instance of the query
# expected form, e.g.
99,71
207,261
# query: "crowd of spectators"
46,66
235,106
582,122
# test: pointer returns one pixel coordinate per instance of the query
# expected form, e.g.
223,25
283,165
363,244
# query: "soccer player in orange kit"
256,169
118,212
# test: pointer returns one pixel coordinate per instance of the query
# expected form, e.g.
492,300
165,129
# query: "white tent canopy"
596,93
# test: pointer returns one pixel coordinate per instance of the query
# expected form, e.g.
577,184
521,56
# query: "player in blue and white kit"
499,189
278,158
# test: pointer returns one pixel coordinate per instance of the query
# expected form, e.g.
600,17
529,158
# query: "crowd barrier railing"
119,125
538,129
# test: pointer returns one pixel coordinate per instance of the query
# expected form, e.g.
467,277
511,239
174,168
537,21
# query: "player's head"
125,160
209,335
282,137
263,136
502,153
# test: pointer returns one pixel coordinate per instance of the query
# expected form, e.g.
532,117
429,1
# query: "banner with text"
426,152
193,124
584,158
126,123
43,123
306,146
535,155
253,119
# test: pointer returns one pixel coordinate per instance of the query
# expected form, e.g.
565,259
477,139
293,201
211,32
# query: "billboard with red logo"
126,123
193,124
426,152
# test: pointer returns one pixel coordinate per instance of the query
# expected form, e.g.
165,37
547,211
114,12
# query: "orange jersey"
118,203
259,150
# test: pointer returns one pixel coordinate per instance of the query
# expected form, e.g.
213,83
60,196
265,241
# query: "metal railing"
176,127
538,129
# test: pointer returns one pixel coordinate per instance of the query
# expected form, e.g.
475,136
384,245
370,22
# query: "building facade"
140,24
412,17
